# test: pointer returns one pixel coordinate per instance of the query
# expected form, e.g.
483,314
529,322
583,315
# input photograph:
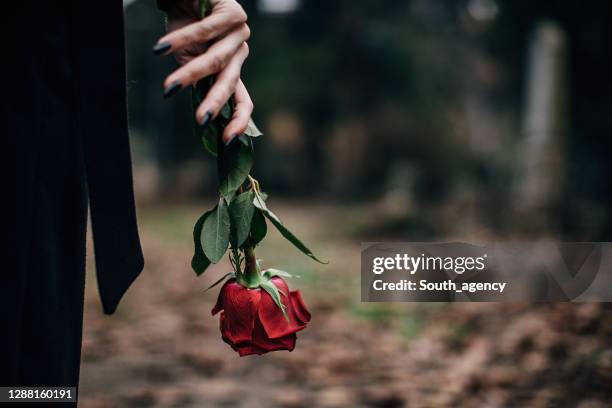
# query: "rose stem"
251,271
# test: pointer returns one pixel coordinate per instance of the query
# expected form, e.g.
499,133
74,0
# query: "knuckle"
186,75
192,74
245,107
217,97
182,38
201,32
187,36
216,63
233,79
216,102
240,15
225,92
246,32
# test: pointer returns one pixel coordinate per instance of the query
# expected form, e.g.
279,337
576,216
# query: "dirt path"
163,348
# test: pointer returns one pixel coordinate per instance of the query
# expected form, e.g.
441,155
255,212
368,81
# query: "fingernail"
229,141
161,48
206,118
172,89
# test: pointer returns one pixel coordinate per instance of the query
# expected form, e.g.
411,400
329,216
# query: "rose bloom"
253,324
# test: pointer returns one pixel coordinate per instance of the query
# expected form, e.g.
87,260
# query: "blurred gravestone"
540,164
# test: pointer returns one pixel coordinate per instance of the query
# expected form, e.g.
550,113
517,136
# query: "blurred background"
469,120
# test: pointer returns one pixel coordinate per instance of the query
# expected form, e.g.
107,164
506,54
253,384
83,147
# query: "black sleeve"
164,5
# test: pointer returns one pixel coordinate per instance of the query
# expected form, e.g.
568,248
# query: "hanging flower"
253,323
258,312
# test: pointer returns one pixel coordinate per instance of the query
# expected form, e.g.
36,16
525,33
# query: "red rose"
253,324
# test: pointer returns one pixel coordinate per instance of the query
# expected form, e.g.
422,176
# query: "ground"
163,348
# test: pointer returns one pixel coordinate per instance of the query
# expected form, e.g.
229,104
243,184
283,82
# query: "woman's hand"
214,45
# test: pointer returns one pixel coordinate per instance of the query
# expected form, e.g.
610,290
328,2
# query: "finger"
211,62
225,16
223,87
243,107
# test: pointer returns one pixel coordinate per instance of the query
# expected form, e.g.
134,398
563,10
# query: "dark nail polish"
228,142
206,118
161,48
172,89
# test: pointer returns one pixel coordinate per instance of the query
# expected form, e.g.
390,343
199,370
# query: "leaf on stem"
208,134
235,167
226,111
199,262
216,232
259,229
252,130
224,277
271,272
241,211
274,293
204,8
259,203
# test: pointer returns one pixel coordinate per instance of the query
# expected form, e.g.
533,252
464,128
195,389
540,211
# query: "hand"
214,45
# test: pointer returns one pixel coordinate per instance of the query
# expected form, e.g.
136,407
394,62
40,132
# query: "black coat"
66,145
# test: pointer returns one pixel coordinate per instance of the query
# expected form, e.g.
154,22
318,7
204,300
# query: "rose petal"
240,310
301,312
221,325
245,348
262,341
280,284
219,305
271,316
250,350
222,293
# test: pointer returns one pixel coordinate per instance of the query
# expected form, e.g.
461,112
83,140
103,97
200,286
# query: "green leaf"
226,111
274,293
204,7
244,140
247,141
199,91
235,167
259,203
241,211
208,134
271,272
199,262
259,229
216,232
224,277
252,130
